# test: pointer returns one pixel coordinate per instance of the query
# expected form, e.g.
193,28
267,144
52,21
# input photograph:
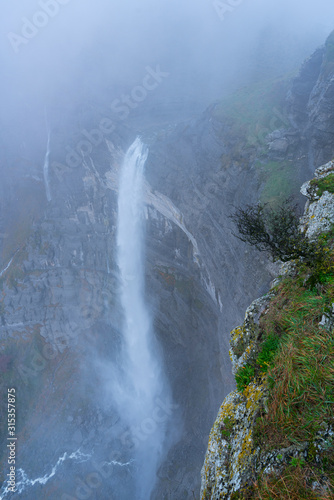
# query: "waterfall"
46,169
140,391
7,267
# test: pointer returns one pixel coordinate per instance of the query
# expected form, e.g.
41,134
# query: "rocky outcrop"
60,312
233,461
319,211
311,106
230,451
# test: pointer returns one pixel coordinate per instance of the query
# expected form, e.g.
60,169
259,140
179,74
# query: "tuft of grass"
302,396
296,355
244,376
325,184
298,481
297,462
301,371
268,351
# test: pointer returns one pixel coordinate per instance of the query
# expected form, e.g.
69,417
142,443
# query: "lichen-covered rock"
327,320
231,452
319,216
286,269
319,210
233,460
243,337
309,189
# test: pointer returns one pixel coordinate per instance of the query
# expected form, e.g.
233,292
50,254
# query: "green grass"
268,351
325,184
251,371
296,357
244,376
293,483
279,181
253,112
301,372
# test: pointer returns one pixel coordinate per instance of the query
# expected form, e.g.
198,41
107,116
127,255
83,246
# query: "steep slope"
273,437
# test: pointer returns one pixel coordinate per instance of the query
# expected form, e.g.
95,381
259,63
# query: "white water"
140,383
46,169
24,482
7,267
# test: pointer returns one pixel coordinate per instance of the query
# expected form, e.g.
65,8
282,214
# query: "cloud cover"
48,45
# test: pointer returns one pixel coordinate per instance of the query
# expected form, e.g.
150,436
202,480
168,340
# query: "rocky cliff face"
59,305
60,312
311,102
234,459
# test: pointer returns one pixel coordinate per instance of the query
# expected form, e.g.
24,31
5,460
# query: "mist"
81,79
79,55
88,50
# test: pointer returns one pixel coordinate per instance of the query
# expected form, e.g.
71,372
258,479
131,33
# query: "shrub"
276,231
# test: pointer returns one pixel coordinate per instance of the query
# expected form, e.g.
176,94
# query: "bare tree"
276,231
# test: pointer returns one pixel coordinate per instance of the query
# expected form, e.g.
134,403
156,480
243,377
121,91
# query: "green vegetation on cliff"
255,111
295,357
324,184
251,114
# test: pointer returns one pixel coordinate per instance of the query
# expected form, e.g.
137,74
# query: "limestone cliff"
238,459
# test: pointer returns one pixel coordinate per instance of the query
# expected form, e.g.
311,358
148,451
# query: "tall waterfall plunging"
46,169
140,390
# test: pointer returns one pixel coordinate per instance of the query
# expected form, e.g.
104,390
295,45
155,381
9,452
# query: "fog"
73,50
69,67
60,55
